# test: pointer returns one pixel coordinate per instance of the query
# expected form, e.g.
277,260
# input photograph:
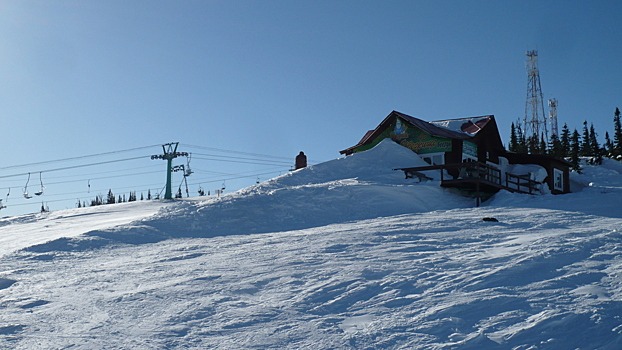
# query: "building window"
434,159
468,157
558,180
469,150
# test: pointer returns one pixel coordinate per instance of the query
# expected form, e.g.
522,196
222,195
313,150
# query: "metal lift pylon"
170,153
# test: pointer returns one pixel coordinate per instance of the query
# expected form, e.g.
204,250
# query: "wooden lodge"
469,154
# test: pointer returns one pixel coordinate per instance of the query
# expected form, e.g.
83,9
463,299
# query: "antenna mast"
535,119
553,116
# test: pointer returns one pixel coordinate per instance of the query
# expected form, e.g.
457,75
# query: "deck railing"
479,173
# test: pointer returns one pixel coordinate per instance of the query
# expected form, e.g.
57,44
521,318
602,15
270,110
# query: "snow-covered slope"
342,255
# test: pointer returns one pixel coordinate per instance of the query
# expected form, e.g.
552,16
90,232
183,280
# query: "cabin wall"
455,155
548,163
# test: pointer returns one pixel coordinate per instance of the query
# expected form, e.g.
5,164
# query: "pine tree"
608,145
99,200
585,148
521,144
110,199
142,198
617,134
513,147
533,144
148,195
596,151
542,147
555,147
575,147
565,141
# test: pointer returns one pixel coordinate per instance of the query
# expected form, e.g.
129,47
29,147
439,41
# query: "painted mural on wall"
418,140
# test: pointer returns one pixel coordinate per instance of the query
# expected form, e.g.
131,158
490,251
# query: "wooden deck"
476,177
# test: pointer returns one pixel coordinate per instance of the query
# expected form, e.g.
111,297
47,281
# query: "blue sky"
268,79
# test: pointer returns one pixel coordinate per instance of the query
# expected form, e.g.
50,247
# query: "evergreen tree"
608,145
575,148
513,147
142,198
79,204
533,144
521,144
596,151
120,200
148,195
542,147
585,148
110,199
565,141
99,200
617,134
555,147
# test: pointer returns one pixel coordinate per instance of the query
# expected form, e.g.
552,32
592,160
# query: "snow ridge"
342,255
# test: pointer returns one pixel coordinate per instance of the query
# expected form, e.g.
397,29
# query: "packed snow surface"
345,254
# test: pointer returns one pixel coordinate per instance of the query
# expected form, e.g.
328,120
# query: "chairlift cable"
244,162
77,158
79,166
244,158
235,152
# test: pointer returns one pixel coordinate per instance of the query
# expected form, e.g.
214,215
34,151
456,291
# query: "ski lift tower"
170,153
535,119
553,116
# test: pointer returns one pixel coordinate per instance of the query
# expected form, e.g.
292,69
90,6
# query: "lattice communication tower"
535,119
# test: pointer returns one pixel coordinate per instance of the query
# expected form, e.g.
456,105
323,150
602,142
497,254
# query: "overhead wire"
75,166
244,158
243,162
236,152
77,157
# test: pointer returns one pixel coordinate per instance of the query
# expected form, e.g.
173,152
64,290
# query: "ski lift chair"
40,192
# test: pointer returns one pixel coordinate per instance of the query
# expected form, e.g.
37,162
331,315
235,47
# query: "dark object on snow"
490,219
301,160
419,175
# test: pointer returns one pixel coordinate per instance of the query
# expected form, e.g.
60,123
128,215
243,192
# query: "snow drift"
342,255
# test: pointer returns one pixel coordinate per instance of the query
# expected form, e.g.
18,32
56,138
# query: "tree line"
571,145
112,199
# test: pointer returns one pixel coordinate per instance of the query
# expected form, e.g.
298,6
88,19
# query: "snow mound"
362,186
342,255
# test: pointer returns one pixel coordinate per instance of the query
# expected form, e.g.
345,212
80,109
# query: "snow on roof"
470,126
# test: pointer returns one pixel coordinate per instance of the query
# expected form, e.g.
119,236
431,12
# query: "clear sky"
268,79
